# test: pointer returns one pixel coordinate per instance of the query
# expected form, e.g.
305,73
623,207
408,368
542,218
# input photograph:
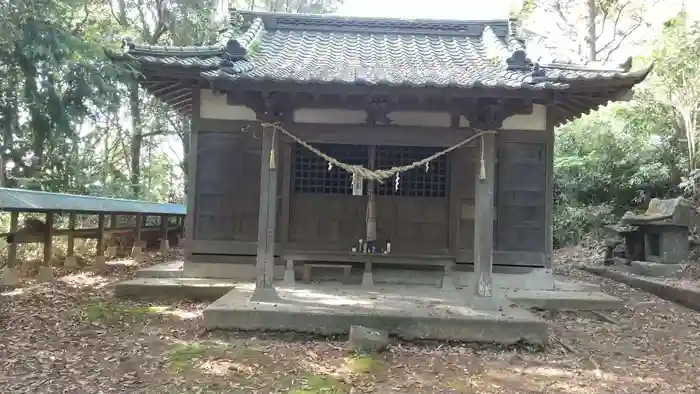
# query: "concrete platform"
408,312
194,289
564,300
688,296
171,269
537,288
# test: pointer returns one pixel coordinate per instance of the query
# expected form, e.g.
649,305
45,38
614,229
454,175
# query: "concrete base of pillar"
45,274
485,303
136,252
289,279
367,279
448,282
100,264
71,262
164,245
264,294
111,252
9,277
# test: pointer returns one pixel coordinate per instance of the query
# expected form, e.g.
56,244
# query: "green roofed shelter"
20,200
281,97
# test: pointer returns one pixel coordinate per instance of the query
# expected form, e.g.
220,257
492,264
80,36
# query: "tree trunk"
136,139
591,31
10,117
186,154
371,199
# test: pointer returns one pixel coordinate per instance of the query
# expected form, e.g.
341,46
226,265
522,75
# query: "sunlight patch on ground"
365,364
330,299
14,292
123,262
184,355
559,373
104,311
314,367
224,367
83,280
320,385
179,313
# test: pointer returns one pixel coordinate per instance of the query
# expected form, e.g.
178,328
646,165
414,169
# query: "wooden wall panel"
325,221
520,196
227,187
463,167
413,224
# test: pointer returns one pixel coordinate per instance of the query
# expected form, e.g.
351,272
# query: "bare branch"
620,40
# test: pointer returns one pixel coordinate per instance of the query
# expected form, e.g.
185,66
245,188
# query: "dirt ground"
73,336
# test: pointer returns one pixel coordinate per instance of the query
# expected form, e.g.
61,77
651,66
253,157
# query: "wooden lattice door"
413,212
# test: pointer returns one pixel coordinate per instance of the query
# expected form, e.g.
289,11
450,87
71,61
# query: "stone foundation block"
367,339
45,274
71,262
111,252
100,264
9,277
136,252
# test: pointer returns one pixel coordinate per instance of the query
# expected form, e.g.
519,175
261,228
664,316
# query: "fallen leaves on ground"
73,336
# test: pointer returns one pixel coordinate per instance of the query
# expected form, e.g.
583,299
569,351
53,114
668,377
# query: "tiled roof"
313,49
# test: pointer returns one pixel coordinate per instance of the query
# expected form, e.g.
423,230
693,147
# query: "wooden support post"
46,270
71,238
483,224
370,219
180,230
111,250
100,253
286,167
136,248
71,261
549,190
267,218
9,273
164,243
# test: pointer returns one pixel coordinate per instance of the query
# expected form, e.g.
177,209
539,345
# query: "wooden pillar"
101,235
137,229
100,258
164,244
46,271
370,219
111,250
483,219
286,167
12,247
71,261
48,239
371,199
71,236
267,217
549,189
136,248
9,273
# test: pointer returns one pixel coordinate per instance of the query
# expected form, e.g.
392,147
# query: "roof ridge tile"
339,23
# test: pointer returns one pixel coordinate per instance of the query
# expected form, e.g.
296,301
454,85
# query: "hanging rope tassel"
482,167
273,162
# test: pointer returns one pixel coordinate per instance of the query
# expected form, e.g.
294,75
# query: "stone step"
171,269
406,312
194,289
569,300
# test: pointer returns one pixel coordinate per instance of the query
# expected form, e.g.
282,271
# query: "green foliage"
68,119
606,156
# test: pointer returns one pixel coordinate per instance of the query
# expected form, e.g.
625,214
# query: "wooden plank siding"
227,192
521,202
